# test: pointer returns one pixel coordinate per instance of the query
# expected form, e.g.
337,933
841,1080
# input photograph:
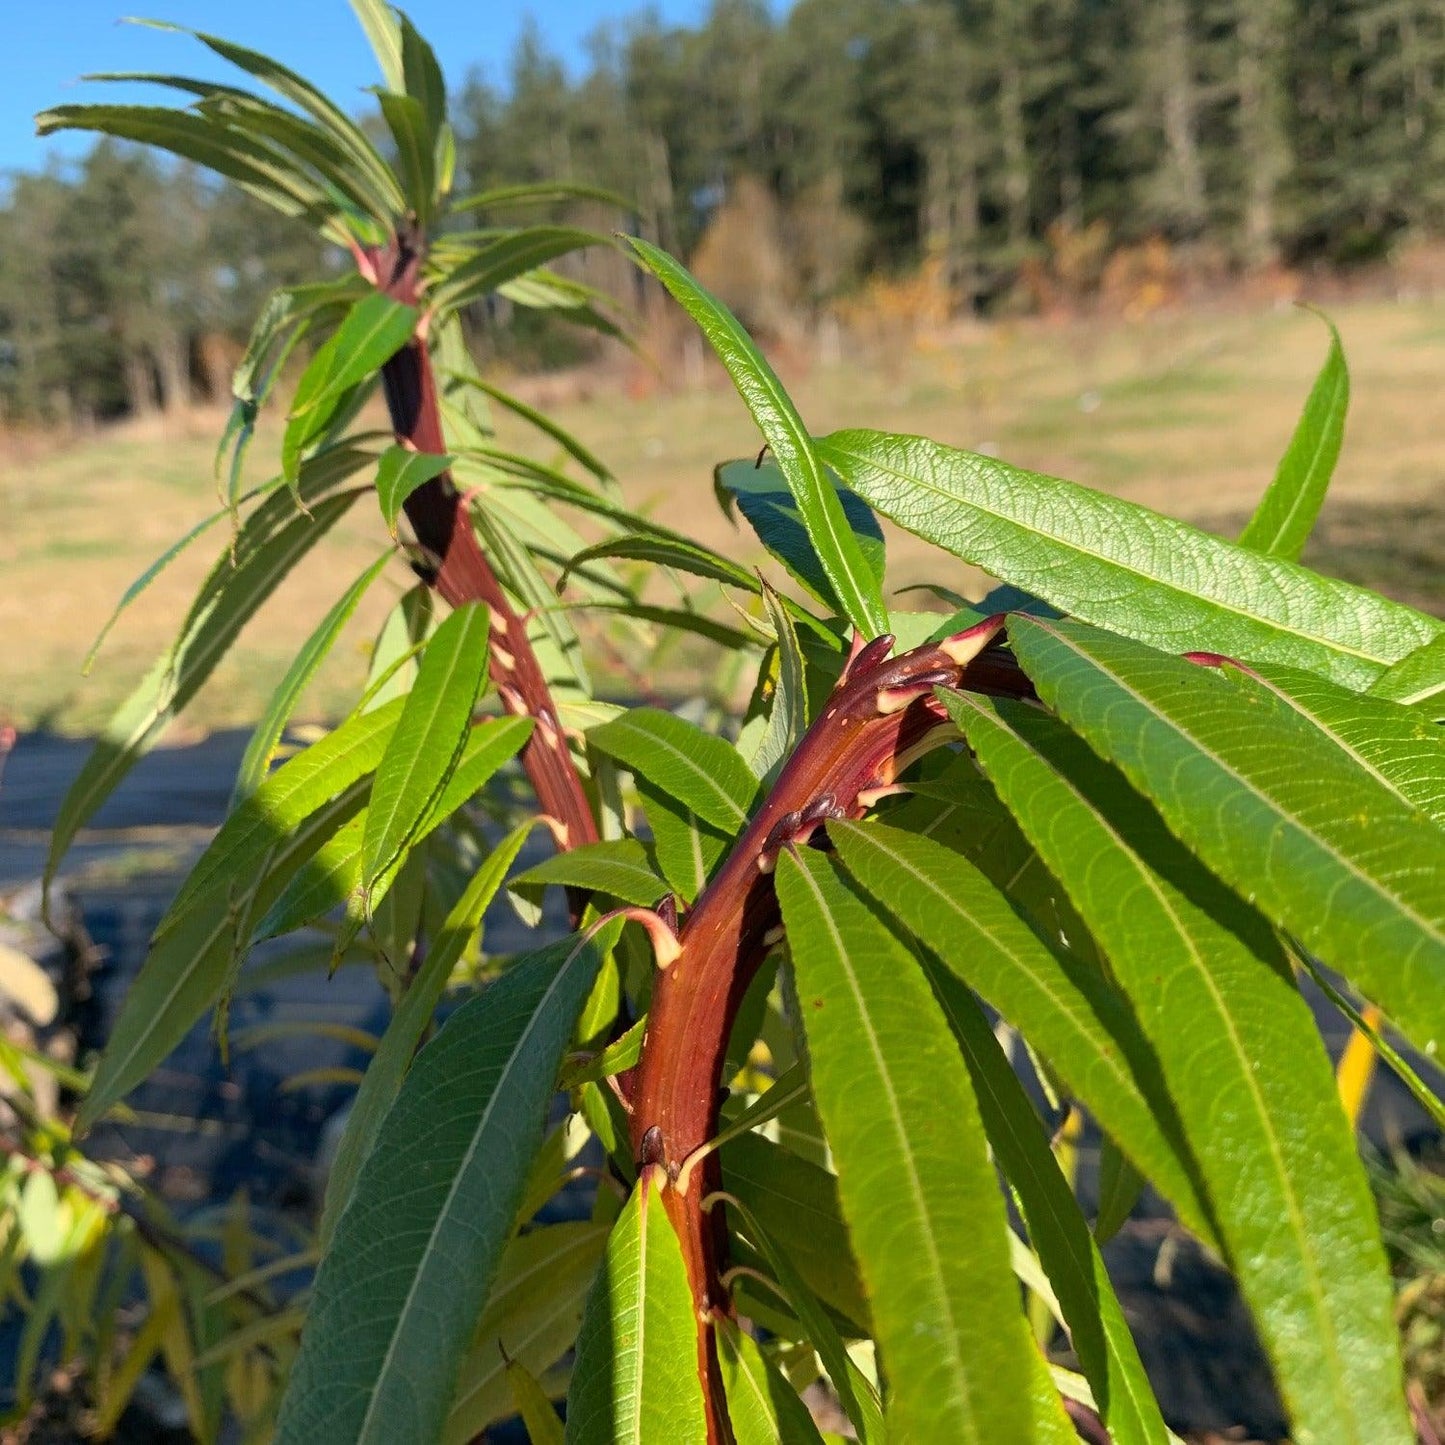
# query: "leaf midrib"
1172,917
1296,824
891,1098
463,1165
922,484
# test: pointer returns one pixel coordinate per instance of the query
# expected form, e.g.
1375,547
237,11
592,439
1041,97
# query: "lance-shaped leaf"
1074,1021
620,868
544,423
1243,1060
856,1395
922,1204
383,31
533,1313
416,1248
374,330
796,1203
704,773
1286,514
415,140
1417,680
636,1380
763,1407
297,788
764,499
191,963
782,729
1122,566
502,258
261,171
301,93
398,474
1399,745
850,579
314,651
394,1054
1276,808
427,744
274,538
1095,1319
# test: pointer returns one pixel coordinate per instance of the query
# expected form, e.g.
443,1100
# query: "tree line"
970,133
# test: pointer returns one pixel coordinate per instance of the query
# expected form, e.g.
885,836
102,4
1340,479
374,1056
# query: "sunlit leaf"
1286,513
1275,807
923,1206
635,1380
1119,565
1243,1061
850,579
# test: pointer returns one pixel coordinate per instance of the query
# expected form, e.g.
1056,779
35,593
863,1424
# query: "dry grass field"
1187,413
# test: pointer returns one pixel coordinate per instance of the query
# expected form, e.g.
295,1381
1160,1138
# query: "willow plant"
1122,806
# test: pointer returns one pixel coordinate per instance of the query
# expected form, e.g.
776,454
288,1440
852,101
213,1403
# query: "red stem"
460,572
880,713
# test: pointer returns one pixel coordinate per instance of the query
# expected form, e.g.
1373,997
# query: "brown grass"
1186,413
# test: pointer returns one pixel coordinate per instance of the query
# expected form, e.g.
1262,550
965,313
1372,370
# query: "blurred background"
1067,230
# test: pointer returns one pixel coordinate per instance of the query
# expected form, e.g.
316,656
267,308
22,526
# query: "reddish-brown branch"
456,567
882,712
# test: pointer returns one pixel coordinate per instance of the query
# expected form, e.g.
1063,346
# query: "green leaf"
298,788
763,1407
538,193
383,30
687,848
1122,566
436,1199
1286,514
398,1044
332,877
1417,680
1060,1236
314,651
1277,809
661,551
423,76
544,423
1398,745
1120,1185
274,538
144,580
788,716
399,473
191,962
543,1425
301,93
262,172
636,1380
533,1312
503,258
620,868
406,119
850,579
856,1395
764,499
796,1203
923,1207
374,330
1076,1023
1241,1056
427,744
704,773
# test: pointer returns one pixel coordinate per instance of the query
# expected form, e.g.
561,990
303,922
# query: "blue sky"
50,44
